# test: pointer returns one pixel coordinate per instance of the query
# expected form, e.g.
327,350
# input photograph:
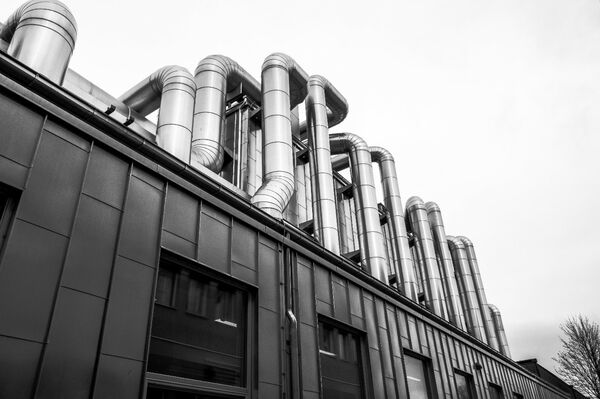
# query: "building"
219,253
533,366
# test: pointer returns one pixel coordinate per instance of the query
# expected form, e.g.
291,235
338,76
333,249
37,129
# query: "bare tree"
579,359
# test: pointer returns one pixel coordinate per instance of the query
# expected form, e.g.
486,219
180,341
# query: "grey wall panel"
106,177
178,245
340,299
181,214
373,347
244,242
243,273
54,185
355,304
268,278
308,352
18,364
269,367
214,239
29,276
269,391
70,355
306,299
118,378
323,291
92,247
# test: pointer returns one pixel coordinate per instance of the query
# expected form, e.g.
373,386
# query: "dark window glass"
7,207
464,385
517,395
202,334
160,393
416,376
340,363
495,391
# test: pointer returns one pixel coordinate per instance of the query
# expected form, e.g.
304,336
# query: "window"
8,204
517,395
464,385
159,393
417,377
341,366
199,329
495,391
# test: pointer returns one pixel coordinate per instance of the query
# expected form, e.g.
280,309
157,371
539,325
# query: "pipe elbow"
415,202
454,243
345,142
494,309
380,154
274,195
432,207
336,102
278,60
214,63
175,76
465,241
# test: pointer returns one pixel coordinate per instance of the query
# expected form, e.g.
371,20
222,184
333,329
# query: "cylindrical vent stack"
500,333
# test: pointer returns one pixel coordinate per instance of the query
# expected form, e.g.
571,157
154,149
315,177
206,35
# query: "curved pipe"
42,35
372,248
391,197
215,75
440,242
467,288
419,223
324,199
283,87
172,90
481,297
500,333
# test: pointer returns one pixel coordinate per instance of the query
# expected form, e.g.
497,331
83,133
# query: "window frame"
498,388
9,199
167,381
469,380
427,371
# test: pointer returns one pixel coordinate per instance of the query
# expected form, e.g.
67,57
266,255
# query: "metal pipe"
436,222
467,288
479,290
42,35
372,248
419,223
500,332
324,210
215,75
391,198
172,90
283,86
340,162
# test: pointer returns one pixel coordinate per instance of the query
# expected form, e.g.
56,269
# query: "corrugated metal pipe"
322,95
283,84
215,75
419,223
467,289
479,290
372,246
500,333
42,35
172,90
449,279
403,260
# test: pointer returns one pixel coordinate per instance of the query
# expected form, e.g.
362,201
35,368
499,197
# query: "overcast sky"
489,107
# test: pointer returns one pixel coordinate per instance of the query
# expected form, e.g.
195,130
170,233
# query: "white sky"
488,106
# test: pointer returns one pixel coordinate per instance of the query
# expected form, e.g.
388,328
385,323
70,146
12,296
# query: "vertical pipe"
449,279
391,197
467,294
481,297
500,332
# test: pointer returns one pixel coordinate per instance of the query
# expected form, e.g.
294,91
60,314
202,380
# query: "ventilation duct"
419,223
172,90
321,95
215,75
486,313
283,87
467,288
403,260
500,333
372,247
42,35
436,222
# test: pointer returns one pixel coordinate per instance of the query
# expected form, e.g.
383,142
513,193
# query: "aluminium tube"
42,35
172,90
324,197
436,222
500,332
215,75
419,224
468,295
372,247
283,86
479,290
391,197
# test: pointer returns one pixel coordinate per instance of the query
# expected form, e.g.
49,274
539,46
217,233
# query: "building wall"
79,266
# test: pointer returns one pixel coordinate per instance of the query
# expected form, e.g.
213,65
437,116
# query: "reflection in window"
463,385
517,395
495,391
416,376
202,333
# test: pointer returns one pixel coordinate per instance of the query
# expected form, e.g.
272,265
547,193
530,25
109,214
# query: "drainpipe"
500,333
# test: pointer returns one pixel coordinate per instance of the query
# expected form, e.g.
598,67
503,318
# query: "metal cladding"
172,90
372,246
467,288
321,95
42,35
215,75
481,297
403,260
500,333
449,279
419,223
283,87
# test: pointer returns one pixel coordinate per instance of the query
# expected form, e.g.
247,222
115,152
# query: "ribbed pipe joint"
42,35
278,60
380,154
275,194
415,202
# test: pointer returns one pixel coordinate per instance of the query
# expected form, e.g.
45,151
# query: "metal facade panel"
309,352
118,377
244,245
340,300
214,240
181,214
269,367
268,278
106,177
18,363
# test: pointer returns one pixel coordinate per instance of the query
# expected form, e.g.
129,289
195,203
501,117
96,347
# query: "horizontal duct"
42,34
500,333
